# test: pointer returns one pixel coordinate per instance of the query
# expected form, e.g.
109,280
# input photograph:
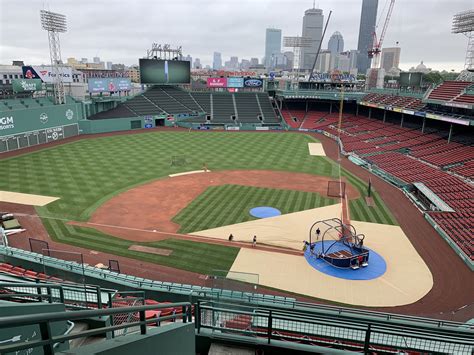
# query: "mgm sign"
6,123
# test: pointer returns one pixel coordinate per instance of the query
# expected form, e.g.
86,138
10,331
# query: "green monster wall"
36,122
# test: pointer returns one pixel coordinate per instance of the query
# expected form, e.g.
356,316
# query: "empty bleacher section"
267,109
467,98
141,106
28,102
448,90
293,118
184,97
410,103
223,108
167,103
247,108
203,99
219,105
316,119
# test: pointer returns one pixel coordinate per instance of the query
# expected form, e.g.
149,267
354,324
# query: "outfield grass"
86,173
229,204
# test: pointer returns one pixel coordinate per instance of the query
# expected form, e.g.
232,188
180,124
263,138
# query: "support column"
401,123
306,106
370,112
384,115
357,110
450,133
423,126
330,108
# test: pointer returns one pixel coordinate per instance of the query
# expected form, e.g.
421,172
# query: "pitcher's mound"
264,212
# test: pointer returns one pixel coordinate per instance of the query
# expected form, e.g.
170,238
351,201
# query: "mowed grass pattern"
202,258
229,204
86,173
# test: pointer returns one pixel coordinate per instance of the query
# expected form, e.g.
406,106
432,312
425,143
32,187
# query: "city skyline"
89,37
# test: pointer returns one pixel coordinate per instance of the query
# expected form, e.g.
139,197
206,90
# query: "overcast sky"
122,30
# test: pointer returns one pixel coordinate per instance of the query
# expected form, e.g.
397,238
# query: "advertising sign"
22,85
6,122
233,82
159,71
45,73
253,83
457,104
104,73
109,85
216,82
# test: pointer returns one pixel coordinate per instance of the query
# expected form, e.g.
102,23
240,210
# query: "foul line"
210,239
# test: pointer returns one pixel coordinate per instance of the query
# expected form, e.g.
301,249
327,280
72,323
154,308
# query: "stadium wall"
113,125
21,128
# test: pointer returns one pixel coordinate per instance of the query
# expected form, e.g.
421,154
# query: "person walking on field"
254,241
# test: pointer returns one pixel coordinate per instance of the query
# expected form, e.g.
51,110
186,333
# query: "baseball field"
87,174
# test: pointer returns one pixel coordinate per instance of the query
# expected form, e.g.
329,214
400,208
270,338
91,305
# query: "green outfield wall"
40,122
114,124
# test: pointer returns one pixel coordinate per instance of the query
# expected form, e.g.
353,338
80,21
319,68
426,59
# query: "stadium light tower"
296,42
463,22
55,24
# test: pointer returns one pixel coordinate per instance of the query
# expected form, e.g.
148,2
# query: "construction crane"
376,49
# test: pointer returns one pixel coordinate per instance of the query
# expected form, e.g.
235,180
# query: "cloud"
122,31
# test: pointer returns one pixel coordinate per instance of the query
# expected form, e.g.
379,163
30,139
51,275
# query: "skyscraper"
336,43
197,64
313,20
253,61
390,58
272,46
368,19
244,64
217,61
325,62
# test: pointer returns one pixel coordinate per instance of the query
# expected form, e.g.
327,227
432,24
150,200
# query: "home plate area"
383,282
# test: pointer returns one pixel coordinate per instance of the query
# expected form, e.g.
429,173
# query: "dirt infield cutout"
26,199
153,205
150,250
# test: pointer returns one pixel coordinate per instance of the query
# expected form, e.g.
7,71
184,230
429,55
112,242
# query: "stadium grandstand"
201,107
430,160
172,214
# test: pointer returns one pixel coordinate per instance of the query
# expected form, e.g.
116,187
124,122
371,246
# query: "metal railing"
199,292
74,296
343,332
45,320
